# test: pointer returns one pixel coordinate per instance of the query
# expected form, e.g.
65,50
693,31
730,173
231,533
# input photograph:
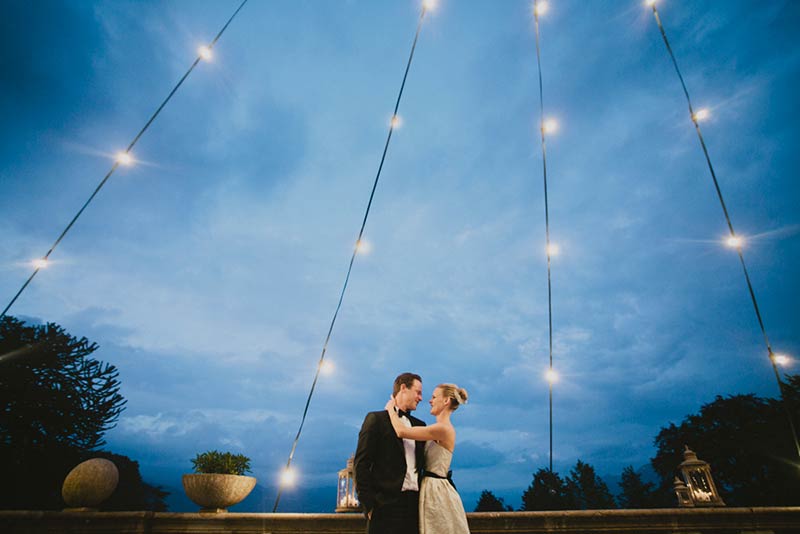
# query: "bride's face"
437,402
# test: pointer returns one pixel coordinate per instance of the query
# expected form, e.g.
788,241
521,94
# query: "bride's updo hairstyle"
457,395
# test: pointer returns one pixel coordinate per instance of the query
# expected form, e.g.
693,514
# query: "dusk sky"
209,271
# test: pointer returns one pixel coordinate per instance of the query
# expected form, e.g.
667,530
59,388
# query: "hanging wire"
45,258
353,257
536,5
695,121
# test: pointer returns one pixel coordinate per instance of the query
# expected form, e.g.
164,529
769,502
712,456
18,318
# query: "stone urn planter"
215,492
219,481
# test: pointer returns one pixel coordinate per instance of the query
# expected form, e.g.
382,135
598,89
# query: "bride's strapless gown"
440,508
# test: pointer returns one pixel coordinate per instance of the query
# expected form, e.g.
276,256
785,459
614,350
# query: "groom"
387,468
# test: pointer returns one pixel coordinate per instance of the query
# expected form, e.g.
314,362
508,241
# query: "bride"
440,508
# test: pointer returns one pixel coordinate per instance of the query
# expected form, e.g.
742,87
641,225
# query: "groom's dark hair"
406,379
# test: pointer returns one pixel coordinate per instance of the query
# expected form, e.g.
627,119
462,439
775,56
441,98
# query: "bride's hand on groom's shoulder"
389,405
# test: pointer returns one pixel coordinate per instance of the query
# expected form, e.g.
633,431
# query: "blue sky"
209,271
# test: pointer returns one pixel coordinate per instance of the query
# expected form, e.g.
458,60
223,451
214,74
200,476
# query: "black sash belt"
448,478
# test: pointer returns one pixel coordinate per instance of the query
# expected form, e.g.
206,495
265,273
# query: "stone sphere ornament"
89,484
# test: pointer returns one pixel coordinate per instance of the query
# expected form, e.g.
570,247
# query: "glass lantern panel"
699,480
701,489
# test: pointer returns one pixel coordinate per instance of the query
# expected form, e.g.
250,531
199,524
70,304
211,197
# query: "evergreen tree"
635,492
547,492
587,490
489,503
52,395
56,403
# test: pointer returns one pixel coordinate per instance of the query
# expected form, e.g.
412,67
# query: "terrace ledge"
723,520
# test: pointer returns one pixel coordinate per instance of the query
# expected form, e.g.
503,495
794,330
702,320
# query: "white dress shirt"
410,446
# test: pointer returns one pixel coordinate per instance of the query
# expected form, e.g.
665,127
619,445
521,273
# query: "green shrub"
223,463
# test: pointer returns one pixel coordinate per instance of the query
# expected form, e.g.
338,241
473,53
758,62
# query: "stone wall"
674,521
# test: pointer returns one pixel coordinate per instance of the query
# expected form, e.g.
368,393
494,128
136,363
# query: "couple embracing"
402,466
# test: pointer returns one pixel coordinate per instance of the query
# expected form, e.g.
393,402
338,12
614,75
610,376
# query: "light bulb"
429,5
363,246
326,367
701,114
550,126
551,376
782,360
734,241
124,158
288,477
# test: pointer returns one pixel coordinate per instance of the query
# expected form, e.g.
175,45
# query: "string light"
734,241
40,263
701,115
782,360
650,3
552,249
540,8
288,477
547,126
359,242
205,52
396,121
550,126
551,376
124,158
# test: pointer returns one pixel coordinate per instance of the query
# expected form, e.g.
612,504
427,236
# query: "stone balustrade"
777,520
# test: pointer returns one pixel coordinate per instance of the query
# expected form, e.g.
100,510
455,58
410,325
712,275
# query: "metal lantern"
697,477
682,493
346,500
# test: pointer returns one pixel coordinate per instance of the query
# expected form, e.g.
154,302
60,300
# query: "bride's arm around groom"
441,510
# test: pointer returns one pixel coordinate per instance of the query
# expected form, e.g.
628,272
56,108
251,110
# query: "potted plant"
219,481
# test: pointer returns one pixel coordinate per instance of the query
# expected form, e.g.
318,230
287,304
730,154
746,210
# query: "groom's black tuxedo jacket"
380,460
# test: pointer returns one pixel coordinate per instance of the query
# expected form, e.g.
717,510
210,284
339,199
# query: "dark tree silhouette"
791,391
587,490
547,492
636,493
51,393
746,441
132,493
489,503
56,403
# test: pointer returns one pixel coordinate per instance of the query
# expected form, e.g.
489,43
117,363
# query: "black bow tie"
401,413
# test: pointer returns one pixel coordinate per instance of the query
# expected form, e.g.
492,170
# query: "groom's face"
408,397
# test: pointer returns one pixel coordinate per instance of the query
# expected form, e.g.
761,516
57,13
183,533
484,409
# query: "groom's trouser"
398,517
